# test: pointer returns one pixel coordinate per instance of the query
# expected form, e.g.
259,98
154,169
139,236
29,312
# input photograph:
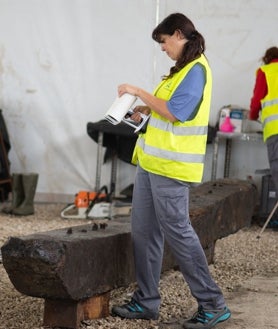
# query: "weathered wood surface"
77,265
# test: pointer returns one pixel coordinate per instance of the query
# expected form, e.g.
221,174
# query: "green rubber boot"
17,194
29,182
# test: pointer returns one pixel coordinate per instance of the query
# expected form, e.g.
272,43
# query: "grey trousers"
272,151
160,211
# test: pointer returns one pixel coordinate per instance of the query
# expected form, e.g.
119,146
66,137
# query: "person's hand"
136,115
126,88
142,109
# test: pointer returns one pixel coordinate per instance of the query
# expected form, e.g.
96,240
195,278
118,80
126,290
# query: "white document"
136,125
119,108
120,111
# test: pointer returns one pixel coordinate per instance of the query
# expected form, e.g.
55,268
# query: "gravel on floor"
237,258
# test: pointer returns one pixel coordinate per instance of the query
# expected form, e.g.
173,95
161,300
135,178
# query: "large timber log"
74,269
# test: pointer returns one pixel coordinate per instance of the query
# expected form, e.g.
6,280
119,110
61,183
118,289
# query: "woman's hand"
126,88
142,109
133,90
157,105
136,116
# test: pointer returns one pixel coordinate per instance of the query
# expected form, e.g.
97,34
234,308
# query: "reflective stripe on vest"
176,150
269,103
178,130
183,157
270,119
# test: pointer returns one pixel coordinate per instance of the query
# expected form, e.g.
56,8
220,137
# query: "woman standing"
169,156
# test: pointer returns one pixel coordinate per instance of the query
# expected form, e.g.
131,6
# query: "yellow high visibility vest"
176,150
269,103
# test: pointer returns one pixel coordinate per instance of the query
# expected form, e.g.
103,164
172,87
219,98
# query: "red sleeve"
259,92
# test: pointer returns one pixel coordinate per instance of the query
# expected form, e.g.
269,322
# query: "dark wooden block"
69,314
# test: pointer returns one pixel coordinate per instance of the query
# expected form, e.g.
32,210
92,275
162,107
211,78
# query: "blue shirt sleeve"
185,100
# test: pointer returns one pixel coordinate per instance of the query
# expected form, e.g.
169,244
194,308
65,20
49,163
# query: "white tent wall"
62,60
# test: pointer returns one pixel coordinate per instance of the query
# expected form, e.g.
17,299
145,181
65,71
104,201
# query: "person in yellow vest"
264,104
170,156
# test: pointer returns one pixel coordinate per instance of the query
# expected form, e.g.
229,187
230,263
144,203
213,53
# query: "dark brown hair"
270,54
192,49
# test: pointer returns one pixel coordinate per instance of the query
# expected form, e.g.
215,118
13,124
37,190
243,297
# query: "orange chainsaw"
89,204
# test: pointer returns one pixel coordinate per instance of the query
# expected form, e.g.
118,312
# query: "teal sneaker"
206,319
133,310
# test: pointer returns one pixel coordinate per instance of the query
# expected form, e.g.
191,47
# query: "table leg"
99,161
227,157
214,158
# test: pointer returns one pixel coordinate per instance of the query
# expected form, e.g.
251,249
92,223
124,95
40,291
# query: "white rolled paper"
119,108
